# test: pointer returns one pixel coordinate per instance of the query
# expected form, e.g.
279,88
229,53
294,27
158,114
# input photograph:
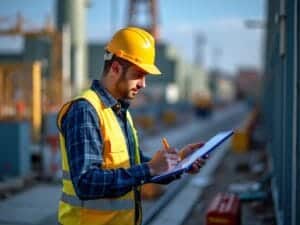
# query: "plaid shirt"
80,127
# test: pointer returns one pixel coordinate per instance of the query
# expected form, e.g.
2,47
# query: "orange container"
240,141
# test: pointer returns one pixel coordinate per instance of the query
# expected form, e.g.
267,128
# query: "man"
103,167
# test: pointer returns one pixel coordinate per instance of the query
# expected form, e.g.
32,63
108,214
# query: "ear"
116,68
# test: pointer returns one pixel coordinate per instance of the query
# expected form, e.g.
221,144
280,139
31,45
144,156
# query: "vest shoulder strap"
90,96
93,99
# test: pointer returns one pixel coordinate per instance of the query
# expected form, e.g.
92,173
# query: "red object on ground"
224,209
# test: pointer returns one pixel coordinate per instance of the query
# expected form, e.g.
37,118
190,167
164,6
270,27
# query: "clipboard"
187,163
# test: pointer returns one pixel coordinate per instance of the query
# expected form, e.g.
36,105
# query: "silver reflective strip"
66,175
99,204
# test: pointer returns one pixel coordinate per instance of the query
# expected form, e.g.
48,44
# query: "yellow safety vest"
103,211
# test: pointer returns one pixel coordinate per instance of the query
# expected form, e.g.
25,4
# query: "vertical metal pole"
66,62
295,128
36,100
1,91
78,44
282,27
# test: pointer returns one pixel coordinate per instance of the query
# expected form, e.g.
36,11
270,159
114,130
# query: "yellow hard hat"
136,46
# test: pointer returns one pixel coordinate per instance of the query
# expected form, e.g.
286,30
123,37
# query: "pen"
165,143
167,146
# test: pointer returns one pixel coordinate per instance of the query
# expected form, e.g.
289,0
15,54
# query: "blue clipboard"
186,164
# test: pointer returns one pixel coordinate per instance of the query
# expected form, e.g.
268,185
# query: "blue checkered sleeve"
80,127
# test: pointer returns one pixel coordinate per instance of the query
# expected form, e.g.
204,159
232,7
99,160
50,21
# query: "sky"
229,44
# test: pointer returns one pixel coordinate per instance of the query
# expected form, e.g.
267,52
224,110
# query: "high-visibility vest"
103,211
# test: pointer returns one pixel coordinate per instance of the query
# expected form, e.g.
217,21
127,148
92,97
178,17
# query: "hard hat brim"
150,69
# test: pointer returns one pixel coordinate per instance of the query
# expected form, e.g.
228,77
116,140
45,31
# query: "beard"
124,90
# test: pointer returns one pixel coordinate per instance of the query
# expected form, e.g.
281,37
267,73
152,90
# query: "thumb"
195,146
190,148
199,144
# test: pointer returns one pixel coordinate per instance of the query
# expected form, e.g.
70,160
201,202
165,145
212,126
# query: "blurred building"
77,62
185,79
222,87
226,90
248,83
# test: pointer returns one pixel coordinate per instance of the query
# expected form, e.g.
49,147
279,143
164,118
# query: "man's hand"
189,149
197,165
163,160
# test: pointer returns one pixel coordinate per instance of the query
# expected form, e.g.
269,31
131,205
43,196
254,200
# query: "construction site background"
190,102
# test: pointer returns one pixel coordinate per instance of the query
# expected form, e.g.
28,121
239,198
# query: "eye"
140,75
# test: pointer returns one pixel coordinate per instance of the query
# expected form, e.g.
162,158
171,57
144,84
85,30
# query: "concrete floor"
38,205
237,168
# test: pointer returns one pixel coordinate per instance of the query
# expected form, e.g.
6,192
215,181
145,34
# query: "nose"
142,82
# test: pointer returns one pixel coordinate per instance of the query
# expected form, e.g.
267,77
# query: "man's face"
130,82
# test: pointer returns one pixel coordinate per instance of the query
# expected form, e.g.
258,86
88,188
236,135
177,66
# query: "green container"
15,148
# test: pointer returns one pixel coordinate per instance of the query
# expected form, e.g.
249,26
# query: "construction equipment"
53,89
203,104
20,91
151,24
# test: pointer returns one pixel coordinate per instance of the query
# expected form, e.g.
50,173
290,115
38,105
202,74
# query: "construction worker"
103,167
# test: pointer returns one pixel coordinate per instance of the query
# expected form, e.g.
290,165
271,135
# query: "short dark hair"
107,64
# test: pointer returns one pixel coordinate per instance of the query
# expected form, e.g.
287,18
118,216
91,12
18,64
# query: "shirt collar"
108,100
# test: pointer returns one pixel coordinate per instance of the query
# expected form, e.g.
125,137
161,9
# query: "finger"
195,166
171,163
175,159
196,145
195,169
189,149
192,147
200,162
171,150
172,154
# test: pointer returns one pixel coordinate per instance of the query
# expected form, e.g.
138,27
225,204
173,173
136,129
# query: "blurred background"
225,64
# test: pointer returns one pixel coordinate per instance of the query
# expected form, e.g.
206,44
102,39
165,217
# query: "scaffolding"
20,94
